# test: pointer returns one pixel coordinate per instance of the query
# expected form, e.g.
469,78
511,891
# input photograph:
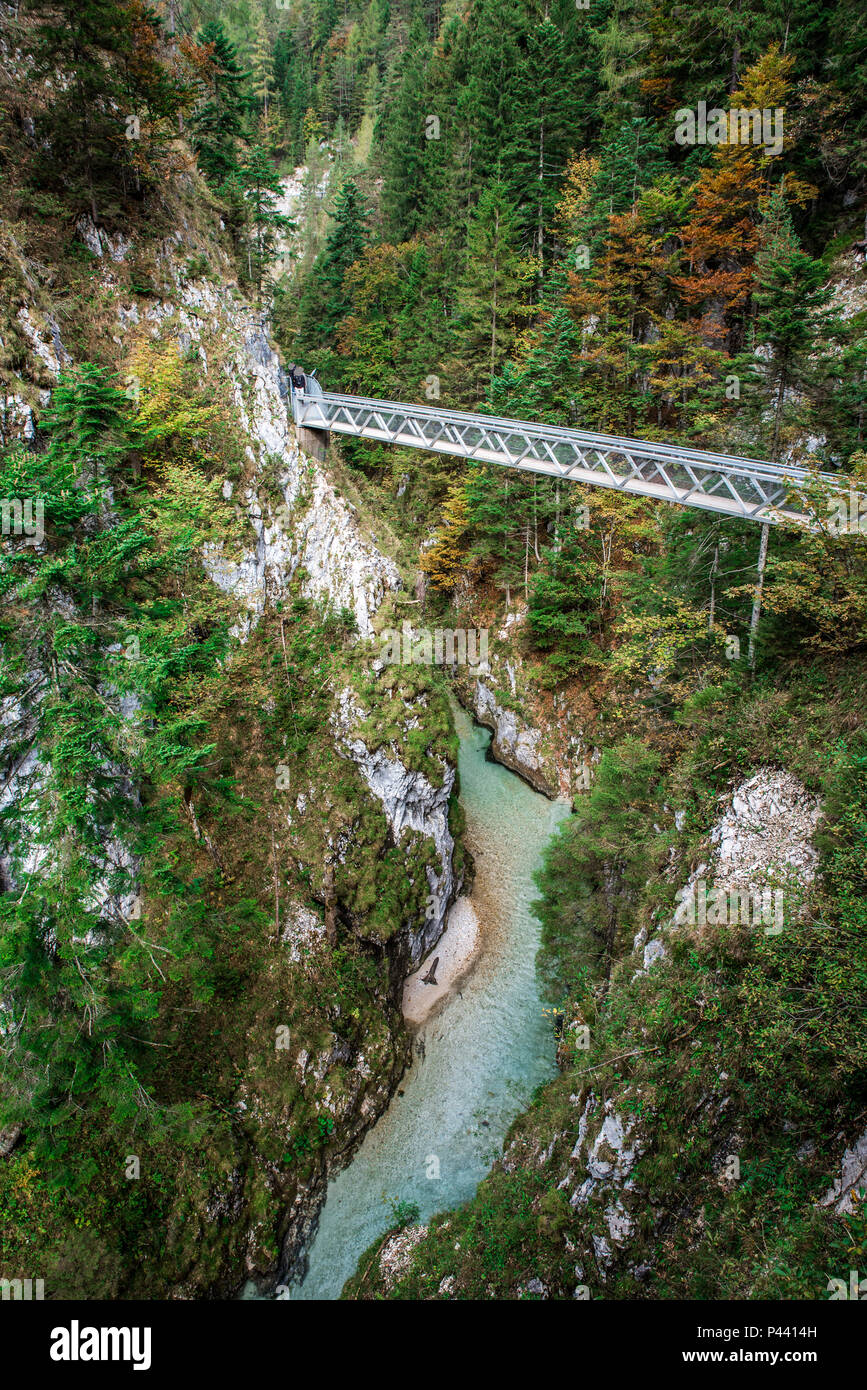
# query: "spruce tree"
490,292
217,124
564,601
93,724
792,298
546,120
110,58
403,135
264,223
325,300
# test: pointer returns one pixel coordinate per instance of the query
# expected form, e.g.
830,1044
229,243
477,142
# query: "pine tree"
622,48
703,56
402,135
618,300
325,301
490,292
848,67
792,299
487,71
217,124
264,223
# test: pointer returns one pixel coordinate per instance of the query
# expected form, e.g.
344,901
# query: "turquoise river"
477,1062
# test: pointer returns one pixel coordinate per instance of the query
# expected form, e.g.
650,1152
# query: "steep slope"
327,870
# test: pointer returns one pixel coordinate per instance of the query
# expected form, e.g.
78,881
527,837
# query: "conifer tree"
547,118
403,137
564,601
491,291
110,54
325,300
792,299
217,125
262,78
499,505
841,391
77,966
264,223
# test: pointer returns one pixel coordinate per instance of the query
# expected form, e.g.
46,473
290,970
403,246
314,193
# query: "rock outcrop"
535,733
412,803
759,853
311,527
515,744
848,1192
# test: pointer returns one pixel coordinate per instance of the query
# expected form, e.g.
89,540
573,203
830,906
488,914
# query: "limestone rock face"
851,1186
340,565
765,833
654,950
98,241
396,1253
607,1157
8,1139
513,739
514,744
596,1170
411,802
312,527
301,930
768,827
764,836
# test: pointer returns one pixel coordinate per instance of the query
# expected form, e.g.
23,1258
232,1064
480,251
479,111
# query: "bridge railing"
753,489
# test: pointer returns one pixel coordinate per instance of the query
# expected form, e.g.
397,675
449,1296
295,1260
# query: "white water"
484,1053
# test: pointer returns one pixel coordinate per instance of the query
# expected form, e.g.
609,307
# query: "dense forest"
514,227
532,210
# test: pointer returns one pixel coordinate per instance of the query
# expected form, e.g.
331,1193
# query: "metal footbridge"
751,489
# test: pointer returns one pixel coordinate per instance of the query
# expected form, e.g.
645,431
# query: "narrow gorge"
433,830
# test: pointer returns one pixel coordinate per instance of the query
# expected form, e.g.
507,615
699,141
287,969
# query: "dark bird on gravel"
430,978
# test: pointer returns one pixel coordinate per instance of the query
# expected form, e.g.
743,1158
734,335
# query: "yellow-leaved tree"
445,560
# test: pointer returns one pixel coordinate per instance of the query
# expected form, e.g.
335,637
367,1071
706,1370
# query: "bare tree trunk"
330,896
736,59
535,525
757,597
540,229
494,299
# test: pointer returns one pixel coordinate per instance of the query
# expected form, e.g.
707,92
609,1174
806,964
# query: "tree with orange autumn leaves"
721,238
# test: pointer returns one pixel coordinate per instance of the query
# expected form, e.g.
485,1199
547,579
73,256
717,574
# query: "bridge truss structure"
751,489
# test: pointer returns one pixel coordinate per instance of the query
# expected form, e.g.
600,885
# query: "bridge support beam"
313,442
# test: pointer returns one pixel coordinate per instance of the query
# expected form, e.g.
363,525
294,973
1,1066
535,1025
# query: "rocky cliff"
295,540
